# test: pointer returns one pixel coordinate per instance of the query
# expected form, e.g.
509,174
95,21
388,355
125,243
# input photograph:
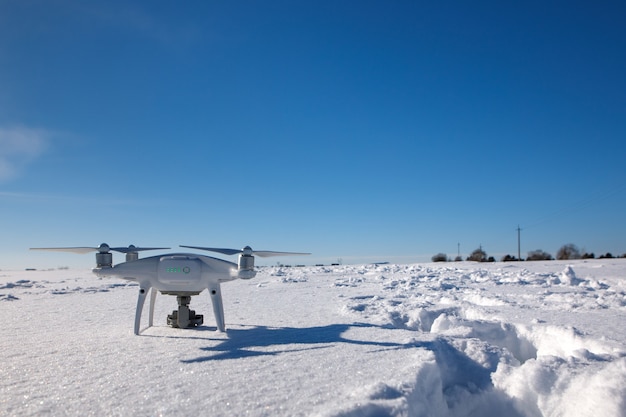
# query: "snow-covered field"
455,339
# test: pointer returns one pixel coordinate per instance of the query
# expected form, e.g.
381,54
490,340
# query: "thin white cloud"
138,19
64,199
19,146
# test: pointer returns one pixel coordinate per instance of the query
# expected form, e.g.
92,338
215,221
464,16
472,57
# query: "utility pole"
519,257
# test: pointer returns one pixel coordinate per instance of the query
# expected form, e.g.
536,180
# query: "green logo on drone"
178,270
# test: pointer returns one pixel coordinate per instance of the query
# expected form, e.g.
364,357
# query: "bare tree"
538,255
440,257
478,255
569,251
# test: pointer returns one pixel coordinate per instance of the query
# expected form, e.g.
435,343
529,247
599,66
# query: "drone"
179,274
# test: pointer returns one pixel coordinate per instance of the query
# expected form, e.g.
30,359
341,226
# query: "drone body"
180,274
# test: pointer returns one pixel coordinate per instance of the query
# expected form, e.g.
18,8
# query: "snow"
452,339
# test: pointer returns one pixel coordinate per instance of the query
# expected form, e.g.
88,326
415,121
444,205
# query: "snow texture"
523,339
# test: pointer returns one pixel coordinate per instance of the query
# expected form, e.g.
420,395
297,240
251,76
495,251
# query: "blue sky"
360,130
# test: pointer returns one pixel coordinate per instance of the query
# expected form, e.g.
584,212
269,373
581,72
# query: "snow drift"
455,339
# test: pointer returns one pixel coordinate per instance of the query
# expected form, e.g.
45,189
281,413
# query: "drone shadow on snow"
242,343
460,375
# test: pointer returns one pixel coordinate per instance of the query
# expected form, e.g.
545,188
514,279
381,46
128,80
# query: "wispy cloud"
19,146
75,200
138,19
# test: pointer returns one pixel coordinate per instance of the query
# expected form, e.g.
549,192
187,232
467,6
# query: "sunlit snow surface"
452,339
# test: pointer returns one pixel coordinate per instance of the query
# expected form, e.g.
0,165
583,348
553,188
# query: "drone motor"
246,262
104,260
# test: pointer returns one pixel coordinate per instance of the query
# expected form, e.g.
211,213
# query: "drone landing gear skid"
183,317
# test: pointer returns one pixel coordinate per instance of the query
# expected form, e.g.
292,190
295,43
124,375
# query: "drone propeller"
104,258
245,251
77,249
103,248
133,248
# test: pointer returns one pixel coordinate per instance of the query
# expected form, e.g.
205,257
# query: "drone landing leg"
218,307
141,299
153,294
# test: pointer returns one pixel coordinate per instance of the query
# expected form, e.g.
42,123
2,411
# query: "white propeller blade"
102,248
247,250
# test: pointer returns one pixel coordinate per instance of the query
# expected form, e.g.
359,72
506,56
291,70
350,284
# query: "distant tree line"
566,252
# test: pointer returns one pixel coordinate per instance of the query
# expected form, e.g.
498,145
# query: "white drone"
179,274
